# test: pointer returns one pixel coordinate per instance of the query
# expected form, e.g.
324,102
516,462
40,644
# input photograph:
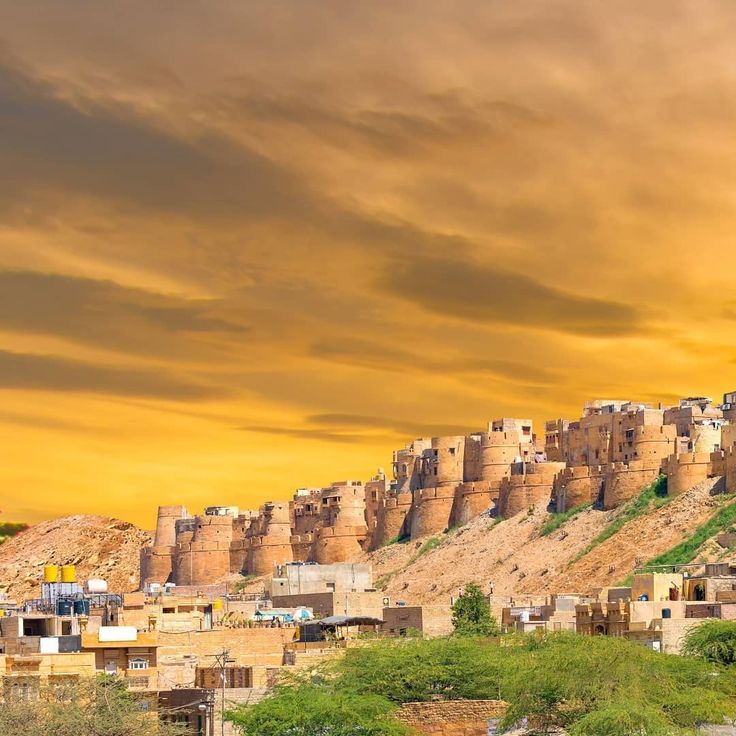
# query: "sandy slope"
99,546
516,559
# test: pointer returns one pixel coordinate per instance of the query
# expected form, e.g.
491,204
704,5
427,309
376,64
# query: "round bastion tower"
271,543
206,558
442,471
157,559
343,529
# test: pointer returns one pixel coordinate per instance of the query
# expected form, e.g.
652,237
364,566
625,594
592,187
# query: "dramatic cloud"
352,223
49,373
105,314
487,294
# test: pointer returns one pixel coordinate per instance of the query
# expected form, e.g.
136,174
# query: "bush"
417,670
307,709
471,614
623,719
100,706
714,641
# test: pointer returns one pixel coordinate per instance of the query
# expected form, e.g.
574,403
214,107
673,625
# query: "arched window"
138,663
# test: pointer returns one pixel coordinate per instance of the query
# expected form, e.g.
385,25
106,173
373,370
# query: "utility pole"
222,659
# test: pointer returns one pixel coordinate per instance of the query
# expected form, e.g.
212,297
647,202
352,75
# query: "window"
138,664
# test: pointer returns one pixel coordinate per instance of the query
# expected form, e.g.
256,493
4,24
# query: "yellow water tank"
68,574
51,573
217,604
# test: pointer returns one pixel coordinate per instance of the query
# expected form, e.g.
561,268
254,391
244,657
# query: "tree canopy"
713,640
602,686
471,614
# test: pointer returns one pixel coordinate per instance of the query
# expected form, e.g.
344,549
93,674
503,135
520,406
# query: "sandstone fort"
606,457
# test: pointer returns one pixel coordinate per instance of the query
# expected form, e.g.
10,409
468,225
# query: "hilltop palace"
606,457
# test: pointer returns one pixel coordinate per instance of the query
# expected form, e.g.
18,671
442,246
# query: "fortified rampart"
391,520
609,455
624,481
685,471
157,560
431,510
207,556
577,486
270,540
530,487
472,499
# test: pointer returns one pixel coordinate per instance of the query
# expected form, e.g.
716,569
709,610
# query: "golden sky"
246,247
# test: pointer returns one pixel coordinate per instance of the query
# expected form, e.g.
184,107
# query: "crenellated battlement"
577,486
609,455
688,469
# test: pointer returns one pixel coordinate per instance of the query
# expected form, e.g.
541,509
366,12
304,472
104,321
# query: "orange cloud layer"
250,247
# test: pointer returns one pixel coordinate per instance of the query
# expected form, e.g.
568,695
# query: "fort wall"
207,556
687,470
431,510
392,519
577,486
532,487
624,481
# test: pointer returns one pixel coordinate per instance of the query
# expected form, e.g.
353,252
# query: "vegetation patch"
652,497
428,546
555,521
243,583
687,550
588,686
10,529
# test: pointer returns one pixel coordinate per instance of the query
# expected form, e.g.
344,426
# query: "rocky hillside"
100,547
516,558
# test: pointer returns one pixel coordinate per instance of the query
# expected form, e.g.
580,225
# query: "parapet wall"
391,519
624,481
472,499
431,510
156,564
730,464
532,488
338,543
498,451
577,486
687,470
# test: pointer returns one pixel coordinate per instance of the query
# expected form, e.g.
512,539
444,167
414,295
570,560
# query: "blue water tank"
64,608
644,597
81,608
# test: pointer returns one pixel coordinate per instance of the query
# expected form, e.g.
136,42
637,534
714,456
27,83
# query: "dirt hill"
100,547
516,559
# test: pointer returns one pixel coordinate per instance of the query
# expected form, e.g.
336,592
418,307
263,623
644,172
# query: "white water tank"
97,585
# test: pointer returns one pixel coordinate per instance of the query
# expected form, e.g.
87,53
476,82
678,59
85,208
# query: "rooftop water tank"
50,573
97,585
68,574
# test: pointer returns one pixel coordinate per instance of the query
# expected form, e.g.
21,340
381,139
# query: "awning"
332,621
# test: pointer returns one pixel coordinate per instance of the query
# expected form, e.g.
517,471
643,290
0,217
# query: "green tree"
310,708
90,707
471,614
417,670
714,641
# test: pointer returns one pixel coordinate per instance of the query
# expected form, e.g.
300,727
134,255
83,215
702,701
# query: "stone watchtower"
157,559
206,557
270,539
343,531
